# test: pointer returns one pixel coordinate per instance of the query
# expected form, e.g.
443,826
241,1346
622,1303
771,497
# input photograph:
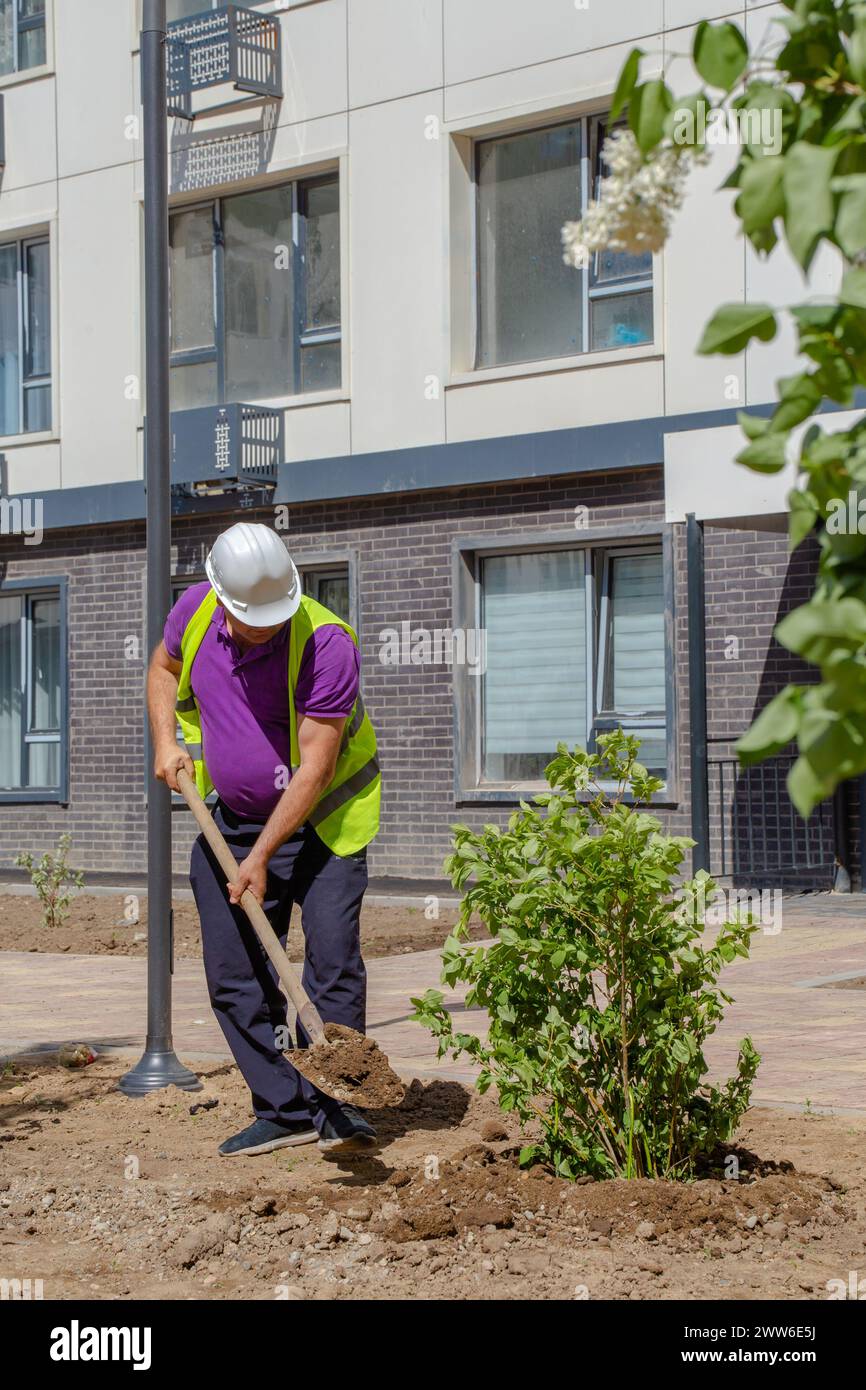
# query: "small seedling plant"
599,990
55,882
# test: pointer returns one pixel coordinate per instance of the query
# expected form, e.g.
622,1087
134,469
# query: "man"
264,683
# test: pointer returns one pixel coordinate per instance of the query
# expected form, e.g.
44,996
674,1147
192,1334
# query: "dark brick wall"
404,548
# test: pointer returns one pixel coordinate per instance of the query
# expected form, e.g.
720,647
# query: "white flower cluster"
638,200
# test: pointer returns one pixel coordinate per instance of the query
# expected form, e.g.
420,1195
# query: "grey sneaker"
346,1131
264,1135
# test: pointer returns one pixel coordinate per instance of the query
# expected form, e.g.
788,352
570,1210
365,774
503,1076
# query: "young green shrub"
599,993
55,883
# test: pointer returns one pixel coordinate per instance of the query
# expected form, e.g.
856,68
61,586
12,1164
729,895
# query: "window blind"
636,637
536,681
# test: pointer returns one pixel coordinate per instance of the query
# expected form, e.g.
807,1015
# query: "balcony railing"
228,46
226,448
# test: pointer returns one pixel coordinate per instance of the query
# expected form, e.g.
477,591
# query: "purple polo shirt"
243,700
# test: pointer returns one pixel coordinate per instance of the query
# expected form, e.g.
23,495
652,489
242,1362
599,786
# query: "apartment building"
483,458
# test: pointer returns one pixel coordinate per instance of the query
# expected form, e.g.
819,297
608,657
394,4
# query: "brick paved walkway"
813,1039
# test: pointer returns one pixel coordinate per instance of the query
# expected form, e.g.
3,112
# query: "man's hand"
168,761
253,874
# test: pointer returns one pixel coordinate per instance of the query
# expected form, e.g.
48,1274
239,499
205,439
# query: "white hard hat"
253,575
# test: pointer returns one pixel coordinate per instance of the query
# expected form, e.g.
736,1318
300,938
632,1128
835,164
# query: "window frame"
604,718
29,589
468,554
22,245
23,25
301,336
343,561
588,180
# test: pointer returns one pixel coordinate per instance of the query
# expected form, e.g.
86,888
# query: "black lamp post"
158,1066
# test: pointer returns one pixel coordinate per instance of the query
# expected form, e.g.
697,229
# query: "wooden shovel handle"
308,1014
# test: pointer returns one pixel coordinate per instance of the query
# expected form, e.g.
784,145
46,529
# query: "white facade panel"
557,88
395,49
33,468
31,146
777,280
489,36
556,400
318,432
95,94
703,268
99,360
679,13
702,475
399,327
315,77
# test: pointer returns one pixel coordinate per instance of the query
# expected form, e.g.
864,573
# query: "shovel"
340,1061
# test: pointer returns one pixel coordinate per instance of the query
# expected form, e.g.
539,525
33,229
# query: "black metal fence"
755,830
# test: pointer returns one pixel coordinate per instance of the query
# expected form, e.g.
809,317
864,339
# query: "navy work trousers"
244,991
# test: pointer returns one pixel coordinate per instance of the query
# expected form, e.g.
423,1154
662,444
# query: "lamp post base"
155,1070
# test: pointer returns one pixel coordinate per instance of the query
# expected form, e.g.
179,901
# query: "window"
182,9
32,694
255,295
22,35
631,664
575,647
25,337
531,305
330,588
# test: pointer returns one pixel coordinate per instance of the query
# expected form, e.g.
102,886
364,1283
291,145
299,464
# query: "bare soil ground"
108,1198
96,926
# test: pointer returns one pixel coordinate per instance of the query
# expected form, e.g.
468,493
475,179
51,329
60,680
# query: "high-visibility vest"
346,817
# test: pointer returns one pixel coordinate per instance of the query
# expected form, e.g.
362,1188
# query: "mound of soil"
110,1198
97,925
350,1067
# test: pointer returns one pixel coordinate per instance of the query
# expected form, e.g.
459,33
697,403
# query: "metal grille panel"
227,446
227,45
755,830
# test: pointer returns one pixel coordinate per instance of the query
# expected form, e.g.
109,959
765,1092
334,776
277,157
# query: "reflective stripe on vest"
337,798
353,725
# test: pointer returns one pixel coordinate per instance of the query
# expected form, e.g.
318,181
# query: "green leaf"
802,516
800,398
625,86
754,101
680,1052
773,729
857,48
853,289
733,326
762,195
808,198
766,455
851,219
720,53
685,122
648,108
753,426
804,788
816,626
818,316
